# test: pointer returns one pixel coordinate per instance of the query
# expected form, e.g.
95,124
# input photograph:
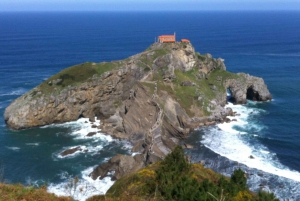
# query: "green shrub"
175,178
175,181
265,196
239,179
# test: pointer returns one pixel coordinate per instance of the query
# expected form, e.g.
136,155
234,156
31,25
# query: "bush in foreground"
175,178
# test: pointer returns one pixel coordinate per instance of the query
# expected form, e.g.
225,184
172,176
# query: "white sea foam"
134,153
106,159
126,145
14,148
85,187
82,127
33,144
264,151
64,175
79,130
85,127
227,140
15,92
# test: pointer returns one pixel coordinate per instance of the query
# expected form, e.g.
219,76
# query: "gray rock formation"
248,87
153,99
70,151
95,97
120,164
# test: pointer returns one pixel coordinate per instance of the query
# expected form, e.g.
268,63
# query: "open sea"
34,46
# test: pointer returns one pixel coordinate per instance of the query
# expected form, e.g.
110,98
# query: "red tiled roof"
185,40
166,36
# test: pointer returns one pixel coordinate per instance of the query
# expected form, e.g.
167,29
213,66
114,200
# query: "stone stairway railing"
154,132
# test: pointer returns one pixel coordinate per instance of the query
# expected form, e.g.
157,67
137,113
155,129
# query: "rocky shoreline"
152,99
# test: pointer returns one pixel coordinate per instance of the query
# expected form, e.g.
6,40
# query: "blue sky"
140,5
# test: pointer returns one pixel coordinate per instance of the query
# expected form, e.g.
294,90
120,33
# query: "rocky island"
153,99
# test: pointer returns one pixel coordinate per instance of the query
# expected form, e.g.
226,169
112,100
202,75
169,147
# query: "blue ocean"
36,45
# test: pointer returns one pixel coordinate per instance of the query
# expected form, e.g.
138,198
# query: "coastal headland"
152,99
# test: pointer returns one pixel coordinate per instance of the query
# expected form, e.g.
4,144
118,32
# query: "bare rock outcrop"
70,151
207,63
120,165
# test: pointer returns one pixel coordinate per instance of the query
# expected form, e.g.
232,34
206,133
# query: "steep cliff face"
153,99
97,96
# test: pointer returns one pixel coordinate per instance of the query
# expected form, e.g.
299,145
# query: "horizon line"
139,11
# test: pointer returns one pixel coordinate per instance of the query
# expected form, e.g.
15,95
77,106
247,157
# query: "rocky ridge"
153,99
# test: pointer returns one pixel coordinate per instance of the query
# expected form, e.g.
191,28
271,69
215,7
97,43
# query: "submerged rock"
70,151
90,134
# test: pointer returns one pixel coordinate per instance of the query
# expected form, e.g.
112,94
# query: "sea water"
35,46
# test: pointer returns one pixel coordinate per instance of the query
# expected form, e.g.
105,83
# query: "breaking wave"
84,188
236,141
85,144
239,142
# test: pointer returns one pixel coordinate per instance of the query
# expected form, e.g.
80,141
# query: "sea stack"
153,99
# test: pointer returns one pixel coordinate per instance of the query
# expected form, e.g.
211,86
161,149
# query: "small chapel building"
170,39
167,38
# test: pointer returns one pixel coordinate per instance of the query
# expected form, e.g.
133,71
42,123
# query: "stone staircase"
157,147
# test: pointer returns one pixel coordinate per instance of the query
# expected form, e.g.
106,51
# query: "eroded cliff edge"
152,99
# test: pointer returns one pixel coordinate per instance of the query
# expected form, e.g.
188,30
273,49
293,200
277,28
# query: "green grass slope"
77,74
18,192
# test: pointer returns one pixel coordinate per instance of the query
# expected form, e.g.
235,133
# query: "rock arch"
252,94
230,97
250,87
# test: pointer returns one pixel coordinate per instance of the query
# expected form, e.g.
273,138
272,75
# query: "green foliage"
175,178
238,178
69,76
200,57
175,181
160,52
265,196
75,75
175,161
149,85
189,94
